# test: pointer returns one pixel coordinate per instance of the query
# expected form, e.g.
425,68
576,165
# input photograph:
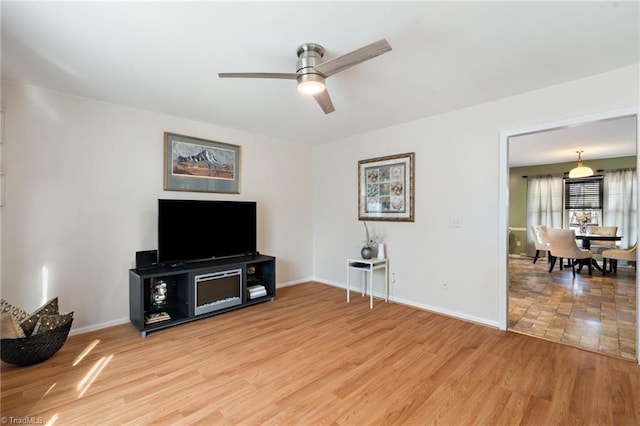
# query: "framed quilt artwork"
386,188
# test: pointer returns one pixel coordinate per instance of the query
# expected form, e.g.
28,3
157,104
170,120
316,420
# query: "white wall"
83,178
457,176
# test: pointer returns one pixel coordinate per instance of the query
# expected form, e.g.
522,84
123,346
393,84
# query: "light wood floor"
311,358
594,312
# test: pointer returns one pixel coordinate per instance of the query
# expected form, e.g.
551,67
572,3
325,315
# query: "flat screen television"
193,230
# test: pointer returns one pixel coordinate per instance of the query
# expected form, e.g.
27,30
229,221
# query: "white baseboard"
524,256
423,306
295,282
447,312
99,326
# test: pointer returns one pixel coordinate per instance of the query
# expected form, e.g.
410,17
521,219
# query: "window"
583,197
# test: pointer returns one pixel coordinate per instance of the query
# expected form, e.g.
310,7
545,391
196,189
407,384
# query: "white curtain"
621,204
544,205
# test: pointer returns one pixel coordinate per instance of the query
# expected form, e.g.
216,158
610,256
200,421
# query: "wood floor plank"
311,358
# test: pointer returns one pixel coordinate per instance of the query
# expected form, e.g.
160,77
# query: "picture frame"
386,188
200,165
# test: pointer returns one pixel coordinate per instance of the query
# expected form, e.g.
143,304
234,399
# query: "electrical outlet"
393,278
445,286
454,222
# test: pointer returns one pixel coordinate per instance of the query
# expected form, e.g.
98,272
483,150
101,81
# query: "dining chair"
619,254
540,239
563,246
598,246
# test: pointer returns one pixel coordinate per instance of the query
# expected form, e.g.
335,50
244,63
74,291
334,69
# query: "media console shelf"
165,296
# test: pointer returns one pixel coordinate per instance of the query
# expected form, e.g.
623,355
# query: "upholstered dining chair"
598,246
540,239
563,246
619,254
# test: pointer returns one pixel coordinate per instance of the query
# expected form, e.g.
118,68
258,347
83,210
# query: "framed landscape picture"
192,164
385,188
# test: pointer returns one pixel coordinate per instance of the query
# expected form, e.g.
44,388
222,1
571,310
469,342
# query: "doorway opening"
597,312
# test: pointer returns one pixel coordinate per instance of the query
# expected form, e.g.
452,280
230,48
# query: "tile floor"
594,312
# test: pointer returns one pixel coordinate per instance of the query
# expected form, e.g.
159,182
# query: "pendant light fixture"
580,170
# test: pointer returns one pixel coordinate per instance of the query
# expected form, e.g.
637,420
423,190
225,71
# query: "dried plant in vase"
369,243
583,219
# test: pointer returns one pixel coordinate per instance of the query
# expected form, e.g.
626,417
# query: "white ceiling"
165,56
598,139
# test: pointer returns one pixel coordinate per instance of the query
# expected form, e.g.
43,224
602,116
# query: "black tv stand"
252,276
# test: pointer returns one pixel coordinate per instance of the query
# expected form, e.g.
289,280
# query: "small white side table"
367,266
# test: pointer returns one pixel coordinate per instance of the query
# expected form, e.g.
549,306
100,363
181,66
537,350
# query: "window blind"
583,194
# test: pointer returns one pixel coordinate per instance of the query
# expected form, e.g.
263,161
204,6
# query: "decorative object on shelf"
580,170
381,253
367,250
386,188
583,220
33,338
256,291
369,240
156,317
158,293
200,165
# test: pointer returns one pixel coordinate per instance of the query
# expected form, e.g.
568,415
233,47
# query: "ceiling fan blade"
284,75
348,60
324,101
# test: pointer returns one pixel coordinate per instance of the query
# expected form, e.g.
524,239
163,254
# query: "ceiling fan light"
311,84
580,170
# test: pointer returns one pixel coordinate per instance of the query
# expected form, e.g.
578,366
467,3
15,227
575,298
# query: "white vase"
381,253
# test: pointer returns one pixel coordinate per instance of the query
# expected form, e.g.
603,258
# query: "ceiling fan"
312,72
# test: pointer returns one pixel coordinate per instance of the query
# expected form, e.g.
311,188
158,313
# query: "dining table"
586,244
587,238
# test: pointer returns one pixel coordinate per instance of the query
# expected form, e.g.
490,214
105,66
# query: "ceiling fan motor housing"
309,55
